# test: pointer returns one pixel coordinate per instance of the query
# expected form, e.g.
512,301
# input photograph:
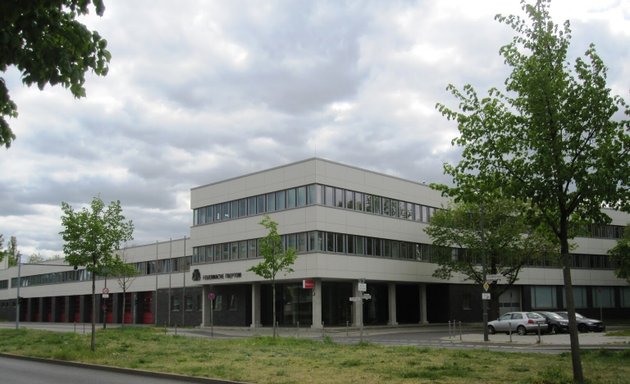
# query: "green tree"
494,234
12,253
275,259
125,275
91,239
46,43
552,139
621,255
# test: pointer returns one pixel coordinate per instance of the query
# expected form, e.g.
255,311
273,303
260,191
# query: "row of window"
547,297
318,241
312,194
4,284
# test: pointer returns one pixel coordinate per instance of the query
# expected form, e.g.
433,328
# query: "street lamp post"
19,283
484,271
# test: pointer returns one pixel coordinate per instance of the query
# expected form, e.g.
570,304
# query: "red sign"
211,296
308,283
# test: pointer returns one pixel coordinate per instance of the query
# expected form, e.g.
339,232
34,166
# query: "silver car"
520,322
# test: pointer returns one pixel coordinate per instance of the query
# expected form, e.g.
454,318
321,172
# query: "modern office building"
357,233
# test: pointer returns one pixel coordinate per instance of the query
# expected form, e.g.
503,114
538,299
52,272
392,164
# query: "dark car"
555,322
584,324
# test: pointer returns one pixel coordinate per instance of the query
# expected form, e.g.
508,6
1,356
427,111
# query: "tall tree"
47,44
91,239
125,274
275,259
492,237
12,253
621,255
553,139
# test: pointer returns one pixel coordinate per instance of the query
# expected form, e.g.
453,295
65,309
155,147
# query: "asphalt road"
25,371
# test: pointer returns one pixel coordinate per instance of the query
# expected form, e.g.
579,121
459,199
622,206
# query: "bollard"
175,329
510,330
347,328
538,342
449,329
297,335
75,327
460,331
323,332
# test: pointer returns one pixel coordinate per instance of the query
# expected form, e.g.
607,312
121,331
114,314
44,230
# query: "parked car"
555,322
520,322
584,324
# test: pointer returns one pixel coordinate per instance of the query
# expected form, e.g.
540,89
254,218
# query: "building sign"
308,283
222,276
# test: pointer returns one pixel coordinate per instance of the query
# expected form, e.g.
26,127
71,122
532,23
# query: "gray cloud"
202,91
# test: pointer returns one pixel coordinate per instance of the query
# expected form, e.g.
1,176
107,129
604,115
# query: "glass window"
386,206
339,242
217,212
260,208
387,248
376,205
314,194
395,249
416,212
218,303
339,197
358,201
291,241
394,209
315,240
242,208
251,206
234,208
291,198
251,249
350,244
368,203
209,215
234,250
301,242
175,304
225,251
225,211
579,296
280,200
330,242
359,245
329,196
301,196
271,202
603,297
242,249
369,247
349,199
543,297
188,303
233,303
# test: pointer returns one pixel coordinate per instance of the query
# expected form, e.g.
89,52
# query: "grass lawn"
289,360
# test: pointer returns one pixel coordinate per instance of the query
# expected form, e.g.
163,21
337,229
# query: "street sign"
105,291
356,298
105,295
362,287
485,296
366,296
308,283
486,286
211,296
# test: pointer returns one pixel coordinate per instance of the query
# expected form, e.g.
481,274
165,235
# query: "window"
301,196
225,211
466,301
291,198
218,303
225,252
175,304
242,207
301,242
330,242
251,249
376,205
386,207
544,297
315,241
280,200
349,199
359,245
188,303
329,195
234,208
625,297
368,203
339,197
603,297
579,296
233,303
271,202
251,206
314,194
242,249
339,242
358,201
260,201
350,244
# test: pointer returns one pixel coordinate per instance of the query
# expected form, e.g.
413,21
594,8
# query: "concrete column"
391,301
255,306
357,306
205,306
316,311
66,308
423,303
40,307
82,308
53,310
134,308
115,298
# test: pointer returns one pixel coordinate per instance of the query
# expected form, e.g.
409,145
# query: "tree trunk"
122,323
273,310
93,342
578,376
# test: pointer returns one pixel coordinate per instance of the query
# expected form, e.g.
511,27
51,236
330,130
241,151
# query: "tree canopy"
621,255
48,45
91,239
496,231
276,259
554,138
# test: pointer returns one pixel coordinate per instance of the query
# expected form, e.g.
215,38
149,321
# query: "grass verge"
290,360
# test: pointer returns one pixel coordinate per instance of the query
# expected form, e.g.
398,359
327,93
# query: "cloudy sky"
199,91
